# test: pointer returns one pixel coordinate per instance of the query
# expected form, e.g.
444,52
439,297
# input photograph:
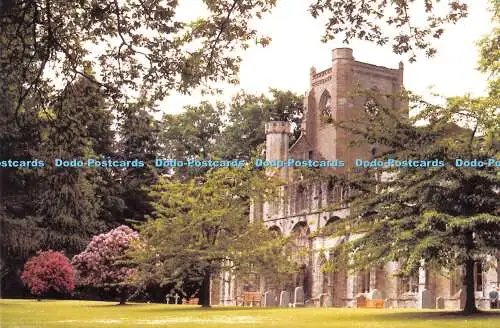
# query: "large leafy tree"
446,216
135,46
200,227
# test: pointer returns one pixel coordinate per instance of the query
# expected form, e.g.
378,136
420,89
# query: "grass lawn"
30,313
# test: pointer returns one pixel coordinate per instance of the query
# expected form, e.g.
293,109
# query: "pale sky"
296,46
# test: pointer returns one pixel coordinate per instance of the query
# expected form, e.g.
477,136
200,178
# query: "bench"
192,301
373,304
252,299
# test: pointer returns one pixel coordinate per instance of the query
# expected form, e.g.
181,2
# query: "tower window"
325,105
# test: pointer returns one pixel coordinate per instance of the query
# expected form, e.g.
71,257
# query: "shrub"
103,263
48,271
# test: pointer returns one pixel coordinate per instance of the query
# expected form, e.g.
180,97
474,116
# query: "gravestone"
298,297
375,295
269,299
167,298
176,298
425,300
387,303
440,303
284,298
325,300
461,298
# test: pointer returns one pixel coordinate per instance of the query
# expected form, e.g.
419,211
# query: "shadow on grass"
116,305
376,314
194,308
435,315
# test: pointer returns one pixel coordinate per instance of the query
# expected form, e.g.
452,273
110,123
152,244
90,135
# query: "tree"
139,139
104,263
69,206
445,216
48,271
145,48
192,134
389,22
248,115
201,228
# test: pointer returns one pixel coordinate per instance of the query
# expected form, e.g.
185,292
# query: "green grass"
30,313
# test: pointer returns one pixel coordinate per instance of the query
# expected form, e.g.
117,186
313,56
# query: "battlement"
278,127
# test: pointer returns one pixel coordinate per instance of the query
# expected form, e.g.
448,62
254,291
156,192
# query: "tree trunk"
470,299
205,290
123,297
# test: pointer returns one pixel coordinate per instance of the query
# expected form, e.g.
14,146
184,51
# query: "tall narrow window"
410,284
365,281
300,199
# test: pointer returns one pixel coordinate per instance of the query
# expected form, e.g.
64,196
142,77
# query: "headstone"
461,299
375,295
284,298
298,297
167,298
176,298
425,300
269,299
387,303
325,300
440,303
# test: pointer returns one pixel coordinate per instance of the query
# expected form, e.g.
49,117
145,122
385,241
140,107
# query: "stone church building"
300,212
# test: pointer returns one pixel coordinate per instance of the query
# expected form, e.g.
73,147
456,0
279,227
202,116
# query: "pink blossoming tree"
104,263
48,271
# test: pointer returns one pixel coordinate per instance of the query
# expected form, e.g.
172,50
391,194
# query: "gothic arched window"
326,105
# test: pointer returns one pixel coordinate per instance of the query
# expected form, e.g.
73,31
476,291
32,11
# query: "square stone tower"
347,91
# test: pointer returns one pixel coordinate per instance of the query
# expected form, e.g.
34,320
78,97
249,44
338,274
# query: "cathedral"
300,211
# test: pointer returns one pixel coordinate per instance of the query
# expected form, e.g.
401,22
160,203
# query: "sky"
296,46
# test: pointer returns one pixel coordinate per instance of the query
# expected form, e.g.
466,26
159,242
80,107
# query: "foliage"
445,216
104,263
143,46
201,228
389,22
48,271
139,139
192,134
247,116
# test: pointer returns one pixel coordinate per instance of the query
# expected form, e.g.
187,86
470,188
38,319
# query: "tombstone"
425,300
375,295
269,299
440,303
461,299
284,298
387,303
167,298
298,297
325,300
176,298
